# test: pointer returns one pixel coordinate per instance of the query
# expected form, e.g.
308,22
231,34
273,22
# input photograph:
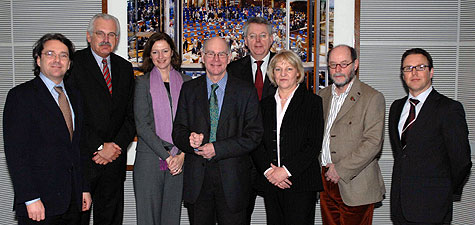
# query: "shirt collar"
221,83
422,96
99,59
49,83
335,93
265,59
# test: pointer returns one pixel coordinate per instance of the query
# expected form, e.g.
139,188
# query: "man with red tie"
106,83
252,68
429,139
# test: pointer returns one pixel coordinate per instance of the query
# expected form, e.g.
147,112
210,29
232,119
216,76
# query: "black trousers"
284,207
256,189
107,191
211,203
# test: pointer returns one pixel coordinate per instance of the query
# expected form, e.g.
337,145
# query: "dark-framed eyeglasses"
418,68
342,65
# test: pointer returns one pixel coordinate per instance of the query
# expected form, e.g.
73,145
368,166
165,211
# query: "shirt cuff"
267,170
32,201
286,170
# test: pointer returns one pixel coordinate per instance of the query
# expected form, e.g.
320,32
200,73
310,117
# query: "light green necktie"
213,113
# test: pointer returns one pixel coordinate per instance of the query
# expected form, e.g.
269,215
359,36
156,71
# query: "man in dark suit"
106,83
429,139
41,126
217,134
252,68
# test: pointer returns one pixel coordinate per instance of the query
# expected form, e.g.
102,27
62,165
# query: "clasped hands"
206,151
278,177
109,153
175,163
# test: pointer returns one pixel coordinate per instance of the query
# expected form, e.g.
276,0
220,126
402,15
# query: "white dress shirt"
263,67
407,106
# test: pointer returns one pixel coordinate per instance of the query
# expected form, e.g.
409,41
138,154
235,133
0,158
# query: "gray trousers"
158,194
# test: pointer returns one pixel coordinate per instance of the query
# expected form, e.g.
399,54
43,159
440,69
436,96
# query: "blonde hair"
290,57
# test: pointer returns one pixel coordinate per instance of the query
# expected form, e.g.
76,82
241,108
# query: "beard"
346,81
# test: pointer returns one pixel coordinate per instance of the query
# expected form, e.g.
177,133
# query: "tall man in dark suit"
106,83
217,124
429,139
253,69
41,126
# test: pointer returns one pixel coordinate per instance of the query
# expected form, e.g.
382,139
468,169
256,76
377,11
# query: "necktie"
64,107
259,83
409,121
213,113
107,75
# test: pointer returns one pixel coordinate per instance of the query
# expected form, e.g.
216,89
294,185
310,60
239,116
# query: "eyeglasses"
102,35
342,65
418,68
262,36
211,55
52,55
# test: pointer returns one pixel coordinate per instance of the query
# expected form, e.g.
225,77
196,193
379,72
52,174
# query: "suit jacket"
301,135
242,69
356,138
435,162
239,132
108,118
42,160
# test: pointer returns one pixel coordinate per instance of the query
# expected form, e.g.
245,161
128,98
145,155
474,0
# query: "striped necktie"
409,121
107,75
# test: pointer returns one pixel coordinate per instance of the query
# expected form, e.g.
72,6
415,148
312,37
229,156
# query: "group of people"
245,128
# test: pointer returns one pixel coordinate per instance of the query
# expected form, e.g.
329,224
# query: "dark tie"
409,121
107,75
64,107
213,113
259,80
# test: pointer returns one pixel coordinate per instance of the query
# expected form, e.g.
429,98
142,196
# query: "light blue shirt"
220,91
50,85
99,62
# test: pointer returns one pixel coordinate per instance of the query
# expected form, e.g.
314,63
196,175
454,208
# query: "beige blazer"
356,139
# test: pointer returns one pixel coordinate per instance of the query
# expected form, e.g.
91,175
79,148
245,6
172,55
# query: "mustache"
105,43
338,74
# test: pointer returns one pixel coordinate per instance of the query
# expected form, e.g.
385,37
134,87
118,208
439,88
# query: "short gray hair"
105,16
257,20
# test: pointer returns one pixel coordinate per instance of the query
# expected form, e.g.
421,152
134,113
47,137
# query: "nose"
338,68
414,71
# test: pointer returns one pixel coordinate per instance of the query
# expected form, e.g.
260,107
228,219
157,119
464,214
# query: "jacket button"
404,156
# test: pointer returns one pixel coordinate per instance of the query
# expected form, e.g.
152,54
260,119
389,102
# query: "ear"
88,37
357,64
38,61
431,73
245,41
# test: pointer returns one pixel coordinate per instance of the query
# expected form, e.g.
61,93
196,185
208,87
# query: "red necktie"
259,80
409,121
107,75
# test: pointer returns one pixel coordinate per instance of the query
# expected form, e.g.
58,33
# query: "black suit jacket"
301,135
239,132
435,162
108,118
242,69
42,160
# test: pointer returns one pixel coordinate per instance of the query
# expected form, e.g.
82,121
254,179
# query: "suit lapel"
228,101
426,114
96,71
351,99
326,95
395,121
47,100
75,105
202,99
115,75
247,70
